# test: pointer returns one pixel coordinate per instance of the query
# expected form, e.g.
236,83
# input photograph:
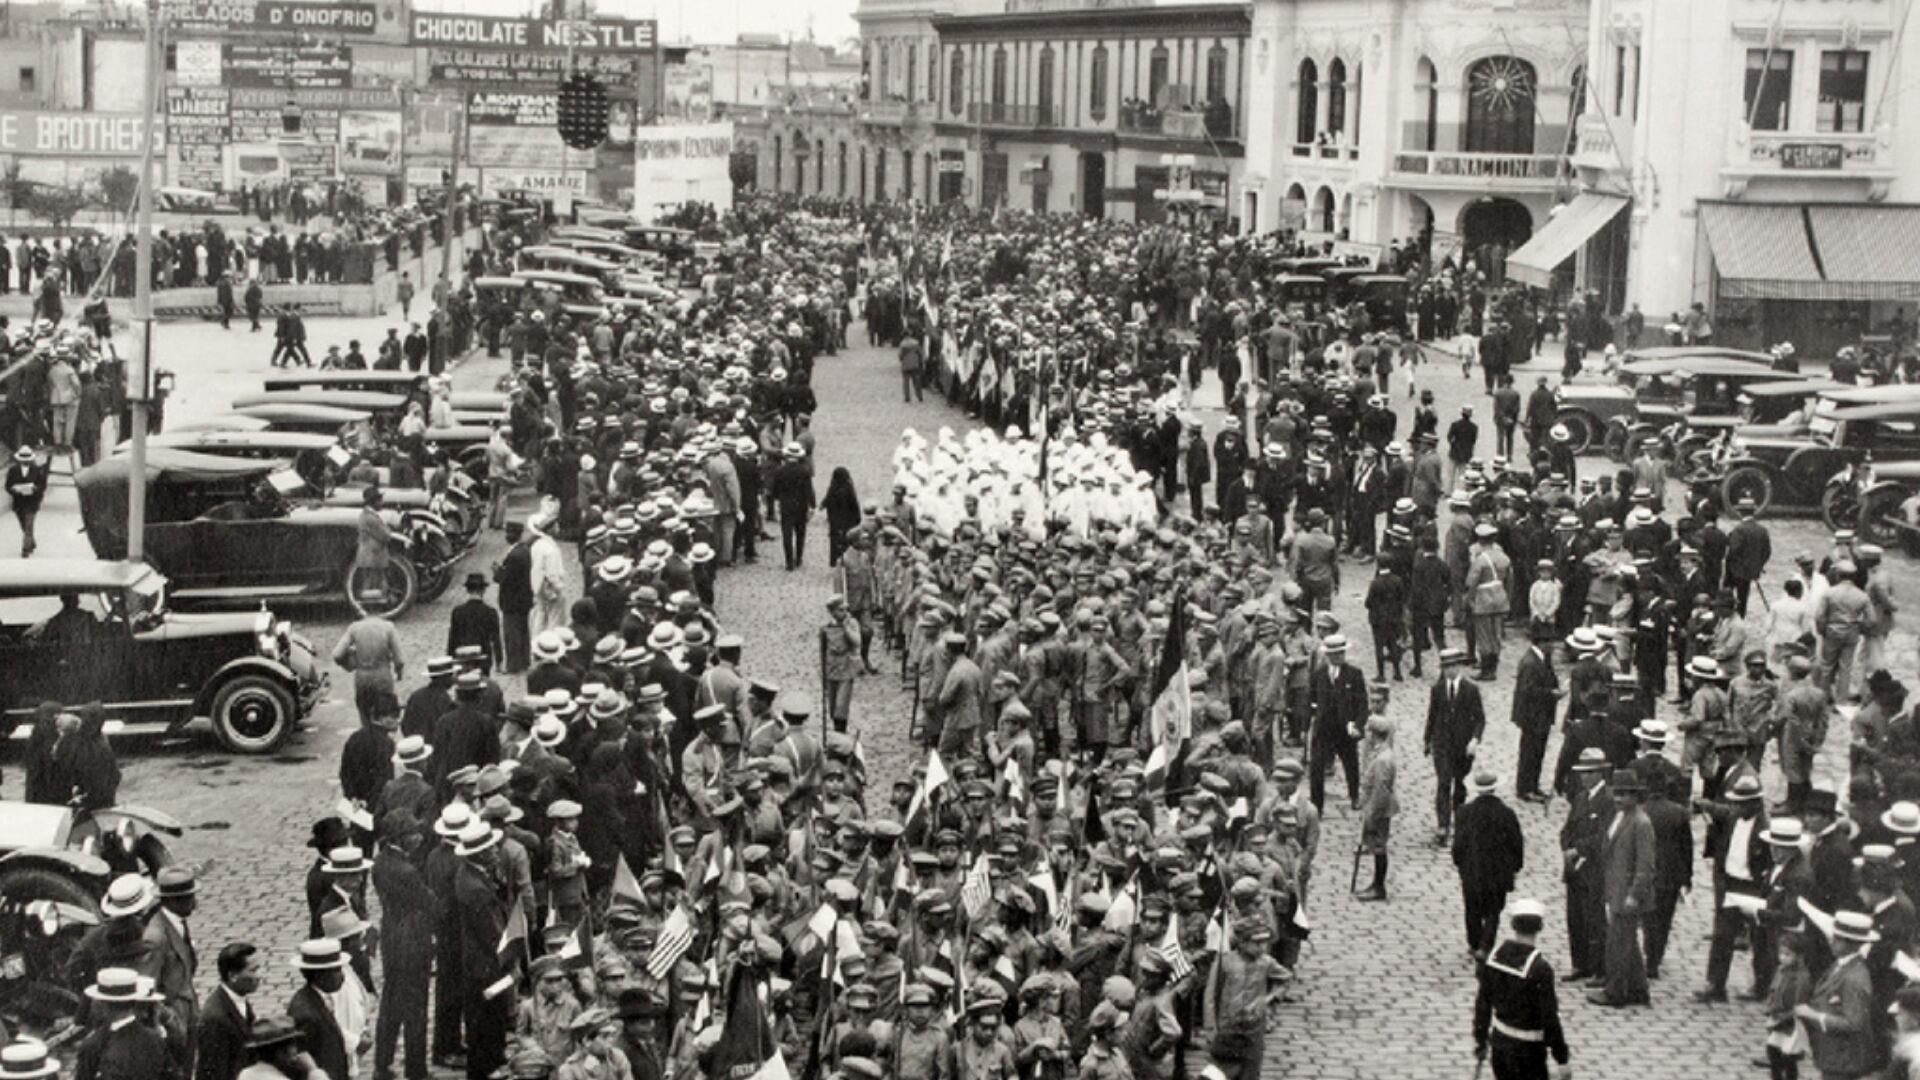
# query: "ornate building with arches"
1444,123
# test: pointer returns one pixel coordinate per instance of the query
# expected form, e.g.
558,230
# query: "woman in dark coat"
842,505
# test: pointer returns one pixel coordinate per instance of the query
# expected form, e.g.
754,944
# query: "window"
1576,105
885,86
1353,105
1336,97
1157,70
998,92
28,81
1769,87
1500,106
840,170
1635,95
956,82
1216,74
1843,90
1619,80
1043,95
913,71
1308,112
1427,87
1097,80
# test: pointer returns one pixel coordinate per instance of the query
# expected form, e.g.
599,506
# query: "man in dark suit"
476,623
1429,594
792,490
1748,548
407,908
122,1039
469,735
324,967
226,1017
1488,851
1835,885
514,575
1536,699
481,903
1673,859
1337,694
428,704
1582,837
1628,862
1456,719
1742,864
170,956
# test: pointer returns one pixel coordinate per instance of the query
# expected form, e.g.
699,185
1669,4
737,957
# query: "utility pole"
453,188
140,374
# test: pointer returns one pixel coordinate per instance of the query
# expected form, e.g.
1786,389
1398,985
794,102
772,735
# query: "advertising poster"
489,32
513,130
504,68
197,63
72,134
682,163
370,142
331,17
324,67
198,128
689,92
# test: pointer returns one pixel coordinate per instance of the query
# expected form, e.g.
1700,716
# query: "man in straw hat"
1842,1033
124,1040
1628,868
329,1023
1488,851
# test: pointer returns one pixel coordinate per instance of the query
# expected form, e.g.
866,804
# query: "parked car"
1807,470
153,668
1706,402
225,531
1648,377
310,419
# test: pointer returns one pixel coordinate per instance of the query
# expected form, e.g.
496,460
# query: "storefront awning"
1868,252
1533,262
1762,251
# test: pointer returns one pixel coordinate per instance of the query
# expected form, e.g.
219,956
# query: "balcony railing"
1326,151
1178,123
1829,152
1020,116
1472,166
889,112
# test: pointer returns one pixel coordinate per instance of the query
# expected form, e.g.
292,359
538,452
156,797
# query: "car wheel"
1579,431
1747,482
433,583
1880,515
1840,506
252,714
398,593
23,885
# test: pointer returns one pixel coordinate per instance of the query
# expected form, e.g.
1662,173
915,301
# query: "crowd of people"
604,845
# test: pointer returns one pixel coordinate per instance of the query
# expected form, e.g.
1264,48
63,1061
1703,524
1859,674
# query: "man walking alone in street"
913,357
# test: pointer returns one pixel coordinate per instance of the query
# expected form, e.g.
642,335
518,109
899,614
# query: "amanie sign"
486,32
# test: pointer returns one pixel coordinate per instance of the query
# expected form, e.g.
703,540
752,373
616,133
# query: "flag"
1171,719
1170,951
515,934
1155,776
903,889
936,777
977,889
1016,787
578,951
746,1045
675,938
625,886
860,753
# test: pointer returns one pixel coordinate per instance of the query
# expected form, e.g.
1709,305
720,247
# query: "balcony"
1460,169
889,112
997,114
1861,157
1213,123
1326,151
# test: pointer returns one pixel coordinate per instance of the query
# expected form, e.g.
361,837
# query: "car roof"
317,413
1874,395
371,400
214,441
556,277
1791,388
226,421
1298,279
335,378
1665,352
1370,279
37,577
1886,410
1702,365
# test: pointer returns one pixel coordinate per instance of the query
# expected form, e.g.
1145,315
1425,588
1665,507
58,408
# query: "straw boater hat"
118,984
27,1059
321,954
130,894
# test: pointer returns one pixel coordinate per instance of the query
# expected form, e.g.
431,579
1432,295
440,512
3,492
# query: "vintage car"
151,668
386,408
382,382
1648,377
1297,291
1811,469
510,291
310,419
307,452
227,421
224,531
1708,404
1385,297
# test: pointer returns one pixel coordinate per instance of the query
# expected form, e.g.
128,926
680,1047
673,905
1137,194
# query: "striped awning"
1533,262
1762,250
1814,251
1873,251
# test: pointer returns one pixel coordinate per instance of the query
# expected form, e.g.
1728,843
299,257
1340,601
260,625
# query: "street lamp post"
140,372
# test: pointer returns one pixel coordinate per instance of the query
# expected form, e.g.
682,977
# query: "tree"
56,206
18,191
743,168
119,187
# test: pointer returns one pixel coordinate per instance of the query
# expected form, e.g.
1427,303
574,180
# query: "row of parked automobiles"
1737,428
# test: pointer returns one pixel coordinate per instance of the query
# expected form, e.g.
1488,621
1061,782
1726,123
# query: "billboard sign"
273,16
490,32
682,163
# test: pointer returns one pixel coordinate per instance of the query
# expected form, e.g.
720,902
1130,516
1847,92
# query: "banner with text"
273,16
307,67
483,68
683,163
516,131
72,134
199,130
490,32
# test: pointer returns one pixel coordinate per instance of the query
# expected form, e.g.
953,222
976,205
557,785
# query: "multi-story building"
1108,109
1439,122
1745,155
900,53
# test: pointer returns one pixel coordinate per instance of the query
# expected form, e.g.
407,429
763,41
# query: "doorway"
1093,183
1490,228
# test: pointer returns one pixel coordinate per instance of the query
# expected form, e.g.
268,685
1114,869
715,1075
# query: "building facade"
1439,122
1746,155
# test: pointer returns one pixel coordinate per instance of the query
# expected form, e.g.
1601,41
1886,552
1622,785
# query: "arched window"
1500,106
1308,110
1043,95
777,163
956,82
1097,83
1216,74
1354,104
1336,98
819,166
1426,90
906,174
1158,72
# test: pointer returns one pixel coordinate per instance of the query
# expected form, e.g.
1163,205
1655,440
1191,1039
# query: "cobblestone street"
1385,990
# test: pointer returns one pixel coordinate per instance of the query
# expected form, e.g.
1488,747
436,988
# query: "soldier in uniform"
840,660
1516,1016
921,1048
1103,1061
